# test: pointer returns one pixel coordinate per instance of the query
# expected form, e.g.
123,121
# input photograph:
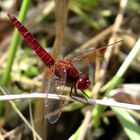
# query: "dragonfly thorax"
66,70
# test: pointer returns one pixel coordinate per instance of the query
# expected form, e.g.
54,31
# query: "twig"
61,12
20,114
124,67
93,41
31,118
11,132
1,136
106,102
115,30
85,126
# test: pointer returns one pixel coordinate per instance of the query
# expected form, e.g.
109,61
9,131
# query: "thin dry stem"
105,102
116,28
19,113
85,126
10,133
93,41
1,136
61,12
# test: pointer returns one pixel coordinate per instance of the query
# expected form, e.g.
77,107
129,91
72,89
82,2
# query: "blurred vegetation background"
64,27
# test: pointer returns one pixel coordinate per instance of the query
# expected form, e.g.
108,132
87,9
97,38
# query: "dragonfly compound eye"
83,82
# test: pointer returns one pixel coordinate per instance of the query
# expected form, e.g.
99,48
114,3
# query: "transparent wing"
90,55
56,86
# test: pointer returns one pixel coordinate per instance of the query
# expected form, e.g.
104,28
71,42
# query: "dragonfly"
59,72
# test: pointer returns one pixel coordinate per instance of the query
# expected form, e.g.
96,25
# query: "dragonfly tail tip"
10,15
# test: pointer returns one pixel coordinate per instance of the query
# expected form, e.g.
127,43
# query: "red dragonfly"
59,72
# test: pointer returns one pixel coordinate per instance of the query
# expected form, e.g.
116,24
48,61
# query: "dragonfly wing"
90,55
55,85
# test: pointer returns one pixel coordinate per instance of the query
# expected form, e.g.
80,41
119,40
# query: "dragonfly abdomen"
33,43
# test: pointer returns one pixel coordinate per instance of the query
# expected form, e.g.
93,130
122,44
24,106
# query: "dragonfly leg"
70,94
73,86
85,94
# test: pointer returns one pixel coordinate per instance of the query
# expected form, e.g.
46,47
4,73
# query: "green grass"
14,44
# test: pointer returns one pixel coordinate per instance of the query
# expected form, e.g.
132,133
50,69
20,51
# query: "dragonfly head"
83,82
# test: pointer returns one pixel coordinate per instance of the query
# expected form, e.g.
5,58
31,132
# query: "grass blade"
129,125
